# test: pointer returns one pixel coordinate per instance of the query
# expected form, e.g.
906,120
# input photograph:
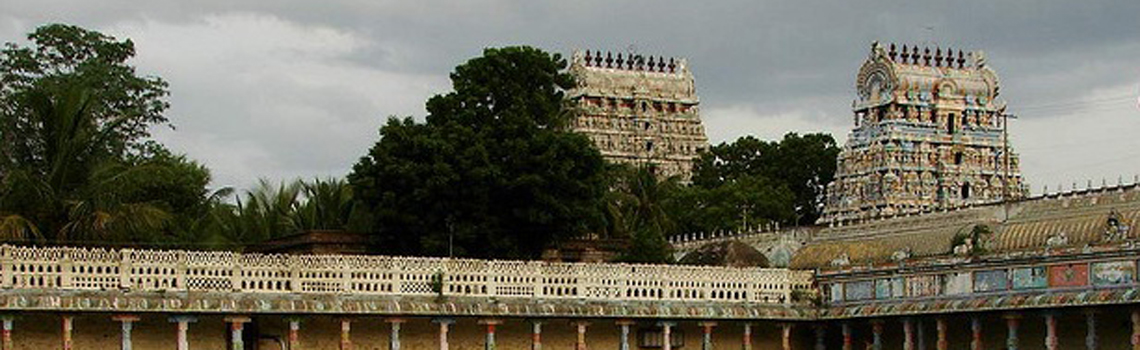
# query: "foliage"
65,58
800,165
638,206
75,162
491,168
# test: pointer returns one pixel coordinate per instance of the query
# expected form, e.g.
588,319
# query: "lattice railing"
173,271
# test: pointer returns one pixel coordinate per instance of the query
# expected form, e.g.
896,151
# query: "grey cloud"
761,67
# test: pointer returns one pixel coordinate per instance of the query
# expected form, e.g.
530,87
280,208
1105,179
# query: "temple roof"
920,76
1070,219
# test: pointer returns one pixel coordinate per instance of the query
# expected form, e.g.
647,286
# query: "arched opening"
966,191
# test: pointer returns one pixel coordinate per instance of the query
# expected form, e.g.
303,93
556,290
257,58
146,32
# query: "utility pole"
1005,155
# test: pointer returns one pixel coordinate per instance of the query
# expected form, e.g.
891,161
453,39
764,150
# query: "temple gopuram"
639,110
929,134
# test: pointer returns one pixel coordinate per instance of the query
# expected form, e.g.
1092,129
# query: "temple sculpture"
639,110
929,134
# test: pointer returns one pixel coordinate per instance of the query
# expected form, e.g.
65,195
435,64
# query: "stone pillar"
6,341
786,331
183,325
1135,329
294,339
908,334
237,324
345,334
489,341
1050,331
67,326
1011,322
444,323
976,328
940,325
747,344
624,324
127,322
820,337
581,343
536,335
1090,337
877,334
846,336
706,328
666,334
393,337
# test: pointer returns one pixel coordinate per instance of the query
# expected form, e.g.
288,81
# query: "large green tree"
63,57
801,165
76,162
492,172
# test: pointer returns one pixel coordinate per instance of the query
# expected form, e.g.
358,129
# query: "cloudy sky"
281,89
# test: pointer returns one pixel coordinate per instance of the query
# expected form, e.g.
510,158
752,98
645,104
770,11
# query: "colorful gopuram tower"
639,110
929,134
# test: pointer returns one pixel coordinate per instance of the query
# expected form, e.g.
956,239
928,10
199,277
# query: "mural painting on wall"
923,286
958,283
861,290
988,281
1029,278
1070,275
889,288
836,292
1113,272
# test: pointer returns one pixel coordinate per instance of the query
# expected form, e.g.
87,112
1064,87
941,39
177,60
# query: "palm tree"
58,190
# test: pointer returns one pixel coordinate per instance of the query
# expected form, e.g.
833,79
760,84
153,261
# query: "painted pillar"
877,334
908,334
183,326
976,328
345,334
444,323
1050,331
706,330
940,325
6,341
787,335
666,334
820,337
921,335
581,343
294,333
624,324
393,337
489,341
1011,323
1135,330
127,322
747,345
846,336
67,327
536,335
237,324
1090,337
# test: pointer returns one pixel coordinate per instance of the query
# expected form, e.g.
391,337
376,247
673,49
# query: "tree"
76,161
642,209
492,169
65,57
802,165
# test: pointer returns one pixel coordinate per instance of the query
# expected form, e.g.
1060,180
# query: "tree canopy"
780,181
76,161
492,169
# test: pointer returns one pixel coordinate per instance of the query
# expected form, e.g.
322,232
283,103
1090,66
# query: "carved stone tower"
639,110
929,134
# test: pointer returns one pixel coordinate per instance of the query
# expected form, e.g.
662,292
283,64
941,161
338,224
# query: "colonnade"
913,331
235,325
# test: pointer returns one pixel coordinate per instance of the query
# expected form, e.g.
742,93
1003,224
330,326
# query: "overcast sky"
281,89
